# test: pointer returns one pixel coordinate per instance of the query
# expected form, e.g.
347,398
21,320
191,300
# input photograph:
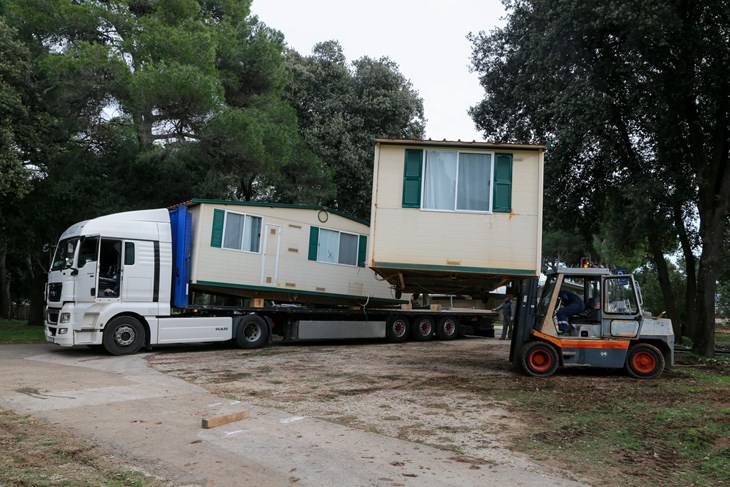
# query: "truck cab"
104,267
589,317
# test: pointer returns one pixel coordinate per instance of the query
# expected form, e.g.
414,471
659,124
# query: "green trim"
216,235
462,145
362,248
502,193
200,201
451,268
412,173
294,291
313,242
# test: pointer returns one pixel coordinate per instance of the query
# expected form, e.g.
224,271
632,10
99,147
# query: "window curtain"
474,175
440,180
348,249
233,231
329,243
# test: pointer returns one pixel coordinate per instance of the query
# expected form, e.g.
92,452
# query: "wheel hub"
124,335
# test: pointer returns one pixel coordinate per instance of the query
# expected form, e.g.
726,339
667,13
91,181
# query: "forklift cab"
611,305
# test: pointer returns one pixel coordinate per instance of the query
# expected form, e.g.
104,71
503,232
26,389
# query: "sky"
427,39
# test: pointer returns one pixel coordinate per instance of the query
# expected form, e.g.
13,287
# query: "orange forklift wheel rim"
644,362
540,360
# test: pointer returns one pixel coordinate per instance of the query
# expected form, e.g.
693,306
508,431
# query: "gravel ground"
434,393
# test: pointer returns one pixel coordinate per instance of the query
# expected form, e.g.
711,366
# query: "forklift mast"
524,316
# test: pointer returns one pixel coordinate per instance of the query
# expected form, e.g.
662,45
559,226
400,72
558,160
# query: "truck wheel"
397,330
124,335
644,361
252,332
539,359
422,328
447,328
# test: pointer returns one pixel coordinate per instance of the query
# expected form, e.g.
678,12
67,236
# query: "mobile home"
455,217
286,253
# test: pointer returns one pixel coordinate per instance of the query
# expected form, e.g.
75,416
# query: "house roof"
459,144
199,201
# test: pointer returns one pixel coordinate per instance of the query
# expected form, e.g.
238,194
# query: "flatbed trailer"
254,326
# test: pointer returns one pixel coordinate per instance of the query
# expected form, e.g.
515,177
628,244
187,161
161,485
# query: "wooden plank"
225,419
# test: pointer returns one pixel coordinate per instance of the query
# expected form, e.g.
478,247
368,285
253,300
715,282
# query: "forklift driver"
572,305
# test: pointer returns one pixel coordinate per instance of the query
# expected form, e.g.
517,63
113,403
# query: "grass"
34,453
671,431
17,331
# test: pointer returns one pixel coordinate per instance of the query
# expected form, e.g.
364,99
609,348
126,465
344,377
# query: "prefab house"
455,217
286,253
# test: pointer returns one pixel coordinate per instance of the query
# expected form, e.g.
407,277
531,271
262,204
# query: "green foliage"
631,97
562,248
652,294
341,107
15,118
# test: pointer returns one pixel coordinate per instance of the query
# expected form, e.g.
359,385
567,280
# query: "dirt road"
152,420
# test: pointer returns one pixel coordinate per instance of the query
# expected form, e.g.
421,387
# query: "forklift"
611,332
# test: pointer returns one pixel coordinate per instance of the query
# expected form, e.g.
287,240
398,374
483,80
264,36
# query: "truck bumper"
63,329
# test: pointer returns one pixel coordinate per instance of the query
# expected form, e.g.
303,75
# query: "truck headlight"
64,318
62,331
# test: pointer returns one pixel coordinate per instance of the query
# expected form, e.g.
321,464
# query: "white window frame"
339,242
490,197
243,232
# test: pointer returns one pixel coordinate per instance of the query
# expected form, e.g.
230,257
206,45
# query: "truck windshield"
64,257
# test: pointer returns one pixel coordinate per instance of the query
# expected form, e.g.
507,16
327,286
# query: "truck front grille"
54,292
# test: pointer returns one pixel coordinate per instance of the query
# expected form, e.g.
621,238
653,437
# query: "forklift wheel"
644,361
539,359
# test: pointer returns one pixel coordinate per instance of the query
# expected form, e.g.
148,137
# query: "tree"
137,94
16,132
341,107
634,96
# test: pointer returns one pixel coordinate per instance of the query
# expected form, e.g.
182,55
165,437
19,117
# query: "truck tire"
397,329
644,361
539,359
422,328
447,328
252,332
123,335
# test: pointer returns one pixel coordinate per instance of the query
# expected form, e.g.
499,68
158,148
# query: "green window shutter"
412,178
216,237
362,251
313,242
502,183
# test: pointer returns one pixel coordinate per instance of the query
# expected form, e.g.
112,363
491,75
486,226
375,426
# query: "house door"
270,260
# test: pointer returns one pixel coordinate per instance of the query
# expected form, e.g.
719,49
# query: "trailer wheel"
539,359
447,328
252,332
397,330
422,328
124,335
644,361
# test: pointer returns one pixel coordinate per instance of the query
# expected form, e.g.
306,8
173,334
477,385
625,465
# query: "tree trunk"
665,283
36,313
690,292
712,230
5,300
